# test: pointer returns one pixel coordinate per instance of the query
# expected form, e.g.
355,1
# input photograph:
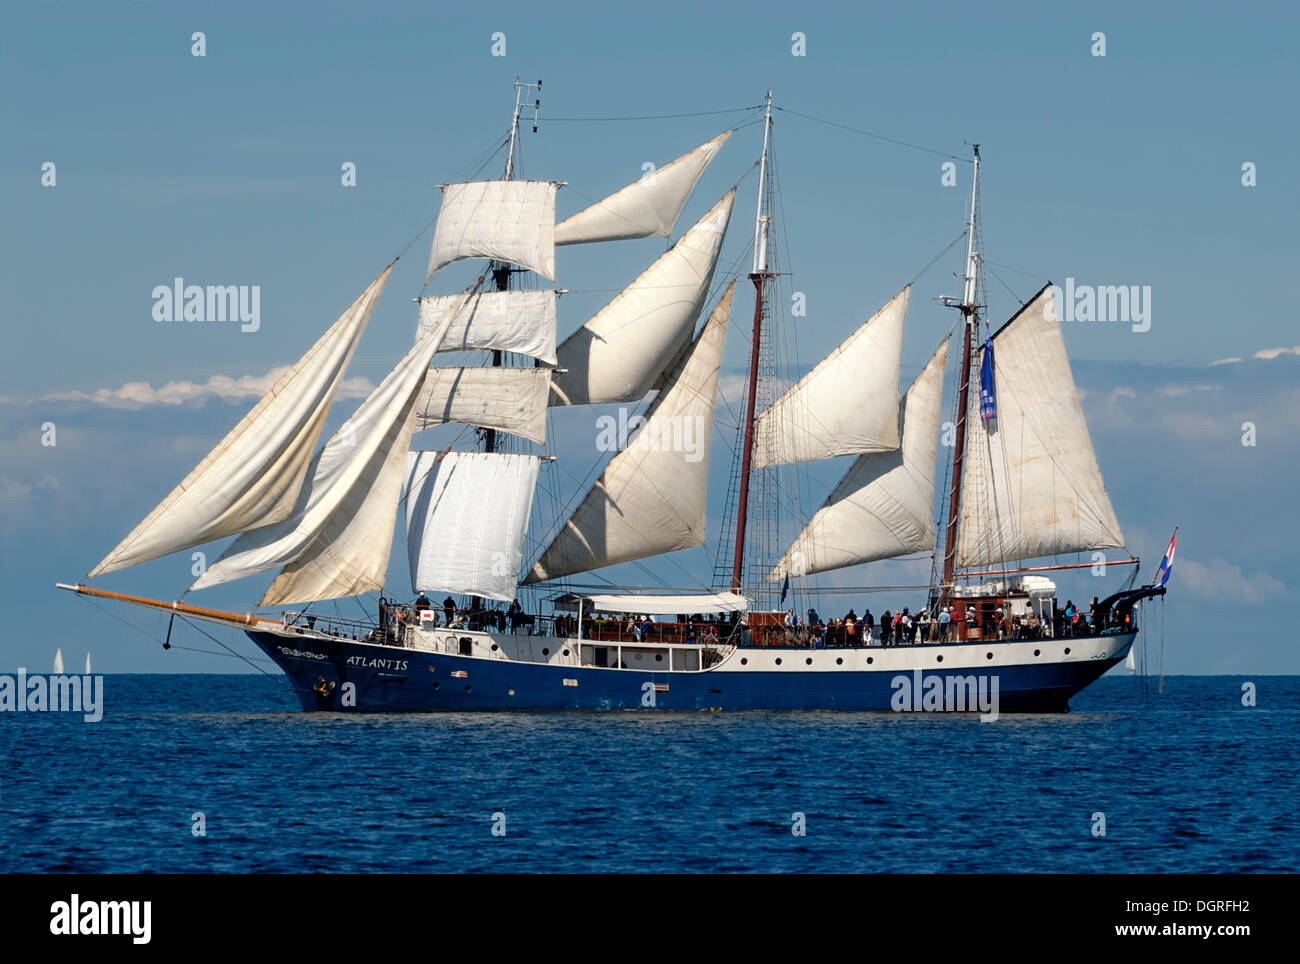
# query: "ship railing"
339,626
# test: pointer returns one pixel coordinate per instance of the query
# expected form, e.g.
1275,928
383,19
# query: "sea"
215,773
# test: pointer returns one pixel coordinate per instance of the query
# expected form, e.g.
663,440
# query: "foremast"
760,277
969,307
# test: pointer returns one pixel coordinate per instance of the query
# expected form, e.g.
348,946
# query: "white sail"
466,520
646,208
337,541
847,405
619,354
507,399
255,474
884,505
517,321
58,661
510,221
1130,663
88,664
650,498
1030,483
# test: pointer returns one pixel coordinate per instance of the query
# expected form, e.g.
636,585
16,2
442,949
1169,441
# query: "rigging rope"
880,137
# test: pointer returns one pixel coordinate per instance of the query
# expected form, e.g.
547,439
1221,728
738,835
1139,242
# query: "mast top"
761,219
520,87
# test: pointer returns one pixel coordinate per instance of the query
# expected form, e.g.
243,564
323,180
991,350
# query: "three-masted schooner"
1023,483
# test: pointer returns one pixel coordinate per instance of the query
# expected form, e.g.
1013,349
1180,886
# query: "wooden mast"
970,317
759,276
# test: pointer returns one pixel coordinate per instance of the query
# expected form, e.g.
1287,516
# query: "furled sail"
255,474
517,321
507,220
646,208
847,405
508,399
619,354
650,498
884,505
337,541
1030,484
466,520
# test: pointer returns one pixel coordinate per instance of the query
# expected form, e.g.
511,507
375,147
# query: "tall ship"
495,619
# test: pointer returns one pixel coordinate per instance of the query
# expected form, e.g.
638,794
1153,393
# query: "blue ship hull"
334,674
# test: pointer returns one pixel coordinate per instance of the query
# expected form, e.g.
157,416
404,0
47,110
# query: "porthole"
988,655
744,661
659,657
431,670
808,661
510,692
436,684
566,652
1067,651
839,660
494,647
1036,652
778,661
546,652
939,658
870,660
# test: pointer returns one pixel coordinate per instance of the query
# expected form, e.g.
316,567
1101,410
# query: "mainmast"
969,307
759,275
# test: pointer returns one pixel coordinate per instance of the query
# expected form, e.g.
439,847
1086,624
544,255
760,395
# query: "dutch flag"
1166,564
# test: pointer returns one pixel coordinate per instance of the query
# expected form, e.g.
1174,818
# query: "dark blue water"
1189,781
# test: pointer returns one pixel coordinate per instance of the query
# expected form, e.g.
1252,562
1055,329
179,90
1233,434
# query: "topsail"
1030,484
507,220
646,208
255,474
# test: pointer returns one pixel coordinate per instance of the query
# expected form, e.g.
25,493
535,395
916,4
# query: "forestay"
510,221
884,505
516,321
466,520
619,354
1030,484
847,405
507,399
651,497
254,476
338,539
646,208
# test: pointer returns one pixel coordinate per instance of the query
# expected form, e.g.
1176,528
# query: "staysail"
517,321
1030,484
507,399
337,541
651,497
618,355
646,208
255,474
466,520
506,220
884,505
847,405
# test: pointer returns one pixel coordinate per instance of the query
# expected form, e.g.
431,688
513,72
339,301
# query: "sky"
1125,168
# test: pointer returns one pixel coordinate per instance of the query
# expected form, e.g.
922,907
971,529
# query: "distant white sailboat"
58,661
87,664
1131,663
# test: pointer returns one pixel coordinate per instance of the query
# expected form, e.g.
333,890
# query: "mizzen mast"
969,308
759,276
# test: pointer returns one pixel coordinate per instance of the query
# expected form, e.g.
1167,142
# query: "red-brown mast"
759,276
970,318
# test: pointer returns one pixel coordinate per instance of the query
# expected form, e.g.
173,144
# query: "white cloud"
1220,579
141,394
1225,361
1270,353
1176,391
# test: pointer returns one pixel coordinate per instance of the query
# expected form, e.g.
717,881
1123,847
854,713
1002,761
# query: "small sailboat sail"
516,321
510,221
646,208
884,505
337,541
1031,485
651,497
466,520
506,399
1131,663
58,661
88,664
619,354
847,405
255,474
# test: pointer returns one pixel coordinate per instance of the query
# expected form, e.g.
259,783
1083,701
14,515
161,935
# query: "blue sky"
1123,169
